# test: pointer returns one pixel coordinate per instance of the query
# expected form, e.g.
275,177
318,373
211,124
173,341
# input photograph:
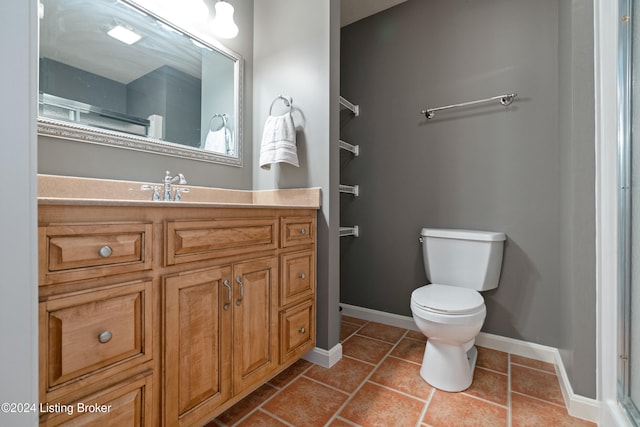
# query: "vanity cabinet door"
255,329
197,344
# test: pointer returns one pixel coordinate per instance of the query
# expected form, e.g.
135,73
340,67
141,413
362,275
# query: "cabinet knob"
105,337
105,251
302,330
303,231
303,276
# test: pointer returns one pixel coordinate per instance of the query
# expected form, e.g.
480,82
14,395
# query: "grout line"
405,360
285,422
377,339
327,385
482,399
493,370
535,369
427,403
543,401
364,381
404,393
346,421
278,391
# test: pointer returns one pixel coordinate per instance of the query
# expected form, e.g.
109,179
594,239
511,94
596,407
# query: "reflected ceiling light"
125,35
223,25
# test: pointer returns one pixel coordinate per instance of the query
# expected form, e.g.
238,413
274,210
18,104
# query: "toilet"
450,310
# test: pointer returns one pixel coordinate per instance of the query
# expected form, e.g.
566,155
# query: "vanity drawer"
82,251
84,333
298,276
297,331
127,404
199,240
298,230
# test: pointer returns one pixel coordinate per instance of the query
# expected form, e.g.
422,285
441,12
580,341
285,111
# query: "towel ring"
223,116
288,101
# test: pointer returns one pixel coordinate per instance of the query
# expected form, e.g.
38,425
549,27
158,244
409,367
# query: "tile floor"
377,383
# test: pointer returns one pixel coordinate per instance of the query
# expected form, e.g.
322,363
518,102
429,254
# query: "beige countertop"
66,190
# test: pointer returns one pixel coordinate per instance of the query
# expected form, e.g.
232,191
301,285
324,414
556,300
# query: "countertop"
66,190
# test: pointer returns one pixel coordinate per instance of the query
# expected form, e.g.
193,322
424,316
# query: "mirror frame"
77,132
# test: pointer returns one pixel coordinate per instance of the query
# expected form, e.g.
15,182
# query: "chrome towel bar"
505,100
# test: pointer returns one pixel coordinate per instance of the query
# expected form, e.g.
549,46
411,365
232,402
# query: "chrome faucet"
168,180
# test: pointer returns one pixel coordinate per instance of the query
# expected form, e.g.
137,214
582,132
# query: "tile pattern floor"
377,383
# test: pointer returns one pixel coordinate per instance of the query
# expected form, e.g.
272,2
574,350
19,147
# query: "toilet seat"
446,299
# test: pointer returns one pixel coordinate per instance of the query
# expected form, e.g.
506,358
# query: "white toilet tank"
465,258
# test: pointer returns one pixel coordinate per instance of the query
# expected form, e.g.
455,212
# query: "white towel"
216,141
278,141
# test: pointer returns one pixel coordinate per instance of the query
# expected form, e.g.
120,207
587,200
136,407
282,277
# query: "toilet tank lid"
450,233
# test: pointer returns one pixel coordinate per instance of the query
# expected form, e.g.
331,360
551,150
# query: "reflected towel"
278,142
216,141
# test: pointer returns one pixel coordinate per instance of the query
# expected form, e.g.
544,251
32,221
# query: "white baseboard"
325,358
577,406
391,319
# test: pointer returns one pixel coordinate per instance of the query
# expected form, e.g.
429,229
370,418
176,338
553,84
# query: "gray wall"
62,157
487,168
577,208
69,82
296,54
172,94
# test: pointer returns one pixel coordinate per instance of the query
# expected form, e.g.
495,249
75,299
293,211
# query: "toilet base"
448,367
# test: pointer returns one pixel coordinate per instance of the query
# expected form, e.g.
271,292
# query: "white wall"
18,251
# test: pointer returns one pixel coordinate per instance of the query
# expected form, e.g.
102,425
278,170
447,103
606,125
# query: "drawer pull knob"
302,330
303,276
105,337
105,252
303,231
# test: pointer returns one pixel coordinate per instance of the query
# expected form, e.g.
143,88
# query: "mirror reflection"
111,68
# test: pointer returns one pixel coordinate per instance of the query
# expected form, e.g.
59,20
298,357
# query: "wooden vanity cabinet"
170,314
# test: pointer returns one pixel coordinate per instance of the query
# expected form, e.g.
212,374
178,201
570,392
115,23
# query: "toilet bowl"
451,327
450,311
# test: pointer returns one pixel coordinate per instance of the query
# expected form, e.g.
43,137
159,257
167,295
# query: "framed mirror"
164,90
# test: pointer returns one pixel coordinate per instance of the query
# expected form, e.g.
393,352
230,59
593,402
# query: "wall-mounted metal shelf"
355,109
350,189
355,149
350,231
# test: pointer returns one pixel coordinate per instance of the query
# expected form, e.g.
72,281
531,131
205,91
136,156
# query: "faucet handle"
155,188
179,191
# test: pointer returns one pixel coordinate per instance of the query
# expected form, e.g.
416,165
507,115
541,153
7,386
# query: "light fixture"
191,11
125,35
223,25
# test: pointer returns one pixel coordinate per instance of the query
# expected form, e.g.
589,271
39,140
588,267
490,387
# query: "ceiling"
355,10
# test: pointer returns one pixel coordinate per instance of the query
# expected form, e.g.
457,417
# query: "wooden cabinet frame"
192,358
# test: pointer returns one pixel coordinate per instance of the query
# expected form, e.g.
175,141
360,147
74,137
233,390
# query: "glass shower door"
629,186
